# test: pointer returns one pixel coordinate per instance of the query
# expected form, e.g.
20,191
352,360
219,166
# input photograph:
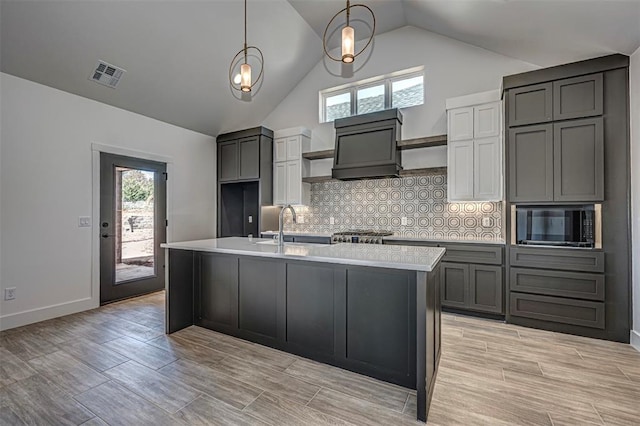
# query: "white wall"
634,94
451,68
46,183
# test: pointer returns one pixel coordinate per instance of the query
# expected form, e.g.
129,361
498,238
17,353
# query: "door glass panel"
135,221
371,99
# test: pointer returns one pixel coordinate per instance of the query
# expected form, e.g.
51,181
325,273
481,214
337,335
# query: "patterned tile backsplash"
380,204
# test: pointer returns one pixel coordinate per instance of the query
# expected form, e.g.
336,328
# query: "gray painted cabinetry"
384,323
245,182
563,161
471,275
568,143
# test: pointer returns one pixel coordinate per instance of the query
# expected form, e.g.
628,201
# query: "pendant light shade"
245,77
240,77
348,44
348,35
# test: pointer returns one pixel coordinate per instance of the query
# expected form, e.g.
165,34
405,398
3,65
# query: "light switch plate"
300,218
332,221
403,221
84,221
486,222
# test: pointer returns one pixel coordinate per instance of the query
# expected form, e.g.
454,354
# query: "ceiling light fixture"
241,79
348,35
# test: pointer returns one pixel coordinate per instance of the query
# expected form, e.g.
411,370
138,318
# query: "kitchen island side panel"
179,286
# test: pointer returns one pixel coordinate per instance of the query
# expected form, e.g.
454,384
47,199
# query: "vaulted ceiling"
176,53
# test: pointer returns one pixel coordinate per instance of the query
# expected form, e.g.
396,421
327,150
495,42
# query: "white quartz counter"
410,258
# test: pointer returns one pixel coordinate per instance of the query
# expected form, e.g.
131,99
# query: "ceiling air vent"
107,74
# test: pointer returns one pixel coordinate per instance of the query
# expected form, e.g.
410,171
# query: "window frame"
352,88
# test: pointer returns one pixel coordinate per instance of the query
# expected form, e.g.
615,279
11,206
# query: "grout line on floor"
624,374
598,413
406,401
550,418
254,400
314,395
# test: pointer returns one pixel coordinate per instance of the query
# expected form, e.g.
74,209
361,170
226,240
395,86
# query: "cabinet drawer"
557,283
557,258
558,309
469,253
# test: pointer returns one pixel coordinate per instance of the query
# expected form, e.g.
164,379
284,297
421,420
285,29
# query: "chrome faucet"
281,223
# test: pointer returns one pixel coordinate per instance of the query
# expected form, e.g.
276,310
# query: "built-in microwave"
564,226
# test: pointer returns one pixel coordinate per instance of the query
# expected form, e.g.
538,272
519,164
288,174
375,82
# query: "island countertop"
410,258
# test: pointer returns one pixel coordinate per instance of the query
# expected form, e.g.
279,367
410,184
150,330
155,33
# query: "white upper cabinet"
460,124
289,167
475,156
460,159
486,119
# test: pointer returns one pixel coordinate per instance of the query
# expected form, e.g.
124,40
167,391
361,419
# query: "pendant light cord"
348,11
245,31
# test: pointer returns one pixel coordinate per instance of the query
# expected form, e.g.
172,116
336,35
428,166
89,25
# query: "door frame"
96,150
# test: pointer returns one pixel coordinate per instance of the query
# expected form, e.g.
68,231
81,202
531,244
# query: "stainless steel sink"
275,243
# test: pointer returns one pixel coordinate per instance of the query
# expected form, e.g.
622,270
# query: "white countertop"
411,258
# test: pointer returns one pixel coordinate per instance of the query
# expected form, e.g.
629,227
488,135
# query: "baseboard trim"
41,314
635,340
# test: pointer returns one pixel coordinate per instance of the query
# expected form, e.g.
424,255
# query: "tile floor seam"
254,400
314,395
598,413
406,401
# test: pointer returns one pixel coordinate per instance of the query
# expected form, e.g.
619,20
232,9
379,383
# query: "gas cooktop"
362,236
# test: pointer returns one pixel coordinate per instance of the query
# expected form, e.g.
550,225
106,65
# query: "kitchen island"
371,309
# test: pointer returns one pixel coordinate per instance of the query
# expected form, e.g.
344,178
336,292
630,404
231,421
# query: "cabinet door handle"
108,235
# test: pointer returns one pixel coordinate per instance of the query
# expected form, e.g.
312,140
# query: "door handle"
107,235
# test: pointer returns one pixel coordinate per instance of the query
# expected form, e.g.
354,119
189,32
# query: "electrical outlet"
250,219
10,293
332,221
403,221
84,221
300,218
486,222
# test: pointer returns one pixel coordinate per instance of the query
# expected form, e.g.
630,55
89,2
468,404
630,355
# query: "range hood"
367,146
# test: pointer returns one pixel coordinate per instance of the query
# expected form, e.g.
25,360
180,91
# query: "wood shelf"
426,142
317,155
403,173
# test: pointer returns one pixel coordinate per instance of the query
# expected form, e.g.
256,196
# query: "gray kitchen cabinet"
218,295
245,183
530,105
454,284
472,287
558,309
578,285
471,275
578,97
531,163
239,159
485,288
228,161
249,158
578,160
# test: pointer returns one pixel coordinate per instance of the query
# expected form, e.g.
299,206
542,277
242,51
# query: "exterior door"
132,226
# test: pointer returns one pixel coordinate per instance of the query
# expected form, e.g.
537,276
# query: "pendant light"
241,80
348,35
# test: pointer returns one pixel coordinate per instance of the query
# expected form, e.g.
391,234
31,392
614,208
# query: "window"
397,90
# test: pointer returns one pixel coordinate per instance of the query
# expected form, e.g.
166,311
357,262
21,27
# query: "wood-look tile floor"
114,365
